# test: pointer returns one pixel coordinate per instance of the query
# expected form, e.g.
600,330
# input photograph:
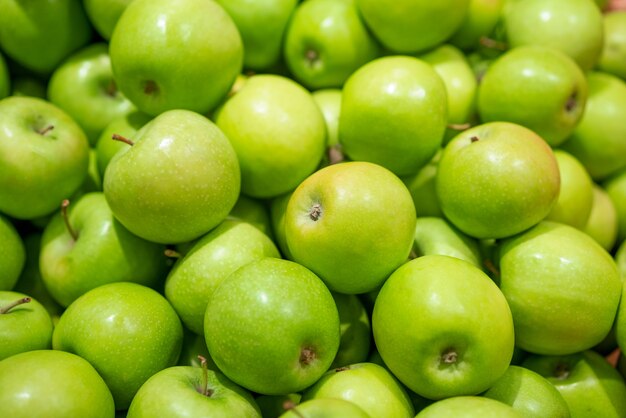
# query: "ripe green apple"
367,385
422,189
393,113
13,254
25,324
469,407
325,408
480,20
104,14
574,27
274,156
497,179
186,172
326,41
562,286
193,347
194,278
84,87
443,327
352,224
613,58
39,35
5,79
438,236
329,102
597,140
616,188
254,212
413,25
128,332
181,54
185,391
538,87
575,200
272,327
589,384
356,330
278,210
28,86
529,393
44,157
602,222
52,384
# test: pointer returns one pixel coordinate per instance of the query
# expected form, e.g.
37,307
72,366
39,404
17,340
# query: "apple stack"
326,208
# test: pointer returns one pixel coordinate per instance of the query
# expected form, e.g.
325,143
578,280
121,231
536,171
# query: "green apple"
254,212
602,222
575,200
616,188
562,286
356,330
620,259
613,58
13,254
44,157
186,172
574,27
193,350
25,324
438,236
589,384
272,406
596,141
274,157
278,210
128,332
104,14
393,113
325,219
497,179
272,327
329,102
529,393
38,35
422,189
185,391
5,79
538,87
28,86
197,275
182,54
326,41
413,25
52,384
84,87
469,407
480,21
443,327
325,408
367,385
620,322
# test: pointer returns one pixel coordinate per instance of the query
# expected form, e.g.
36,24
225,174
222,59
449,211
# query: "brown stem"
122,139
205,377
335,155
290,405
172,253
64,205
12,305
493,44
45,130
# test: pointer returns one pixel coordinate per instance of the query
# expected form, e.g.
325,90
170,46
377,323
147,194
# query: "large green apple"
13,254
613,58
186,173
104,14
128,332
325,408
616,188
175,54
356,331
573,26
602,222
562,286
481,19
469,407
52,384
438,236
443,327
413,25
351,223
497,179
326,41
277,131
5,79
393,113
253,211
44,157
40,35
597,140
272,327
538,87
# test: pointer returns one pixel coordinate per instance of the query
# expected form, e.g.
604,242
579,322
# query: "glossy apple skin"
562,286
438,304
175,392
13,254
613,58
104,14
572,26
329,102
535,86
480,20
57,161
422,189
274,157
616,188
393,113
200,54
326,41
253,211
602,222
497,179
596,141
128,332
469,407
263,318
438,236
326,408
348,256
589,384
53,384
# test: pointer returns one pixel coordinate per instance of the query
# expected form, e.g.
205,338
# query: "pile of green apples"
317,208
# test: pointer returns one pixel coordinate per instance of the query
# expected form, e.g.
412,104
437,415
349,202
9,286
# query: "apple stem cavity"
312,57
64,205
491,43
111,88
172,253
561,371
291,406
12,305
571,103
204,390
307,356
123,139
45,130
450,356
459,126
150,88
316,212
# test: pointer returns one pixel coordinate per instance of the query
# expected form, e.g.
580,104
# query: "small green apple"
602,222
104,14
613,58
480,20
469,407
356,331
616,188
325,408
620,322
329,102
13,254
438,236
278,210
422,189
28,86
253,211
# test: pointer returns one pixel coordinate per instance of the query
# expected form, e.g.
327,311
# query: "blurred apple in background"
613,58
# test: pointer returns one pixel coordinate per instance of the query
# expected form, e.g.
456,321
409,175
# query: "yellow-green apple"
422,189
438,236
620,322
13,254
329,102
104,14
469,407
480,20
613,58
324,408
602,222
616,188
356,331
620,259
253,211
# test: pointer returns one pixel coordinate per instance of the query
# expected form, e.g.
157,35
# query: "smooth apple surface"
5,78
325,408
613,58
602,222
481,19
438,236
13,254
469,407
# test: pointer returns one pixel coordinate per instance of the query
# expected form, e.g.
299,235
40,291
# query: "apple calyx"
172,253
66,219
150,88
7,308
491,43
474,139
316,212
459,126
204,389
307,356
123,139
43,131
342,369
291,406
449,356
572,102
561,371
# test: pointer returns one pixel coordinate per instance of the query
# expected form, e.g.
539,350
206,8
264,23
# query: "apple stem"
45,130
172,253
205,377
64,205
474,139
12,305
316,212
459,126
290,405
122,139
335,155
493,44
